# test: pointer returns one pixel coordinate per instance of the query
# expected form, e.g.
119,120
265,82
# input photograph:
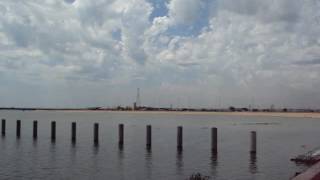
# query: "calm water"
278,141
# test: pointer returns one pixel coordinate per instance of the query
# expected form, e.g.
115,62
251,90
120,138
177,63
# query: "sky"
188,53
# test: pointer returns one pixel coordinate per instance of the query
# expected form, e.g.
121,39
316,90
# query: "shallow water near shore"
279,139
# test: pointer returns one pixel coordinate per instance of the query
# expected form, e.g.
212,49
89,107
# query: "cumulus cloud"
242,50
184,11
249,42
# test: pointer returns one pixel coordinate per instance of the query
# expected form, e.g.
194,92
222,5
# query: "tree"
231,108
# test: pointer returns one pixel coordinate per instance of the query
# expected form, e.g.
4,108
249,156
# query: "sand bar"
264,114
256,114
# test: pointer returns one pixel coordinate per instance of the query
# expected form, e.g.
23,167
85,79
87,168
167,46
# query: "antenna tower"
138,101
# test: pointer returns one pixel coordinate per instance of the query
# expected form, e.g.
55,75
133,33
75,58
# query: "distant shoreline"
264,114
315,115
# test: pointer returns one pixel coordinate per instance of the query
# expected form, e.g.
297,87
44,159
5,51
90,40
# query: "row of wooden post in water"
214,135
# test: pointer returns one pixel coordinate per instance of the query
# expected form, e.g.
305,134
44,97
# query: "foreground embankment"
313,173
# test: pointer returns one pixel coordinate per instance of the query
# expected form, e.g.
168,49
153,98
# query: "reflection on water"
96,144
26,158
214,164
120,146
52,150
73,151
120,156
179,162
148,163
18,142
73,144
34,143
95,157
53,143
95,150
253,168
121,164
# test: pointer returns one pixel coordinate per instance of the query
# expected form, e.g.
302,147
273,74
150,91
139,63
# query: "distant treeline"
34,109
146,108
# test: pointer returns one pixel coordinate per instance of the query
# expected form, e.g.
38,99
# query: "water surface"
279,139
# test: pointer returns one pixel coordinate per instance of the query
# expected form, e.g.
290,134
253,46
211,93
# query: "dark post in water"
121,134
18,128
149,137
96,133
35,129
180,138
73,131
253,142
3,127
53,130
214,140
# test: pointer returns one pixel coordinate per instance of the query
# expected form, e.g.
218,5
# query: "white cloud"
184,11
180,12
250,48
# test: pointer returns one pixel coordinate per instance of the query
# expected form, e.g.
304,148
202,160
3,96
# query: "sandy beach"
315,115
268,114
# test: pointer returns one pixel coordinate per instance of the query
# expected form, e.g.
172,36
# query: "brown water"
279,139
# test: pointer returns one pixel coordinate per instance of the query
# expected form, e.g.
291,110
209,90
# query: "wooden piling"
53,130
214,140
73,131
96,133
3,127
180,138
253,149
121,134
18,131
35,129
149,137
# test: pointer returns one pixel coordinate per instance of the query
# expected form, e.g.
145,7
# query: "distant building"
134,106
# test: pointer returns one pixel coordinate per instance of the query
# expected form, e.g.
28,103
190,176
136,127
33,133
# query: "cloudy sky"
193,53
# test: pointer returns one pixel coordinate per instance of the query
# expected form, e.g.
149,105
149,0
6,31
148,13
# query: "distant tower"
138,101
134,106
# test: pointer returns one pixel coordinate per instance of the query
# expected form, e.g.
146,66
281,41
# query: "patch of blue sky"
193,29
116,34
160,8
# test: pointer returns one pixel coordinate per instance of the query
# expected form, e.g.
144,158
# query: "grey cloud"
60,39
188,64
185,11
12,63
106,70
138,55
267,11
91,73
310,62
250,48
95,12
21,34
70,1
